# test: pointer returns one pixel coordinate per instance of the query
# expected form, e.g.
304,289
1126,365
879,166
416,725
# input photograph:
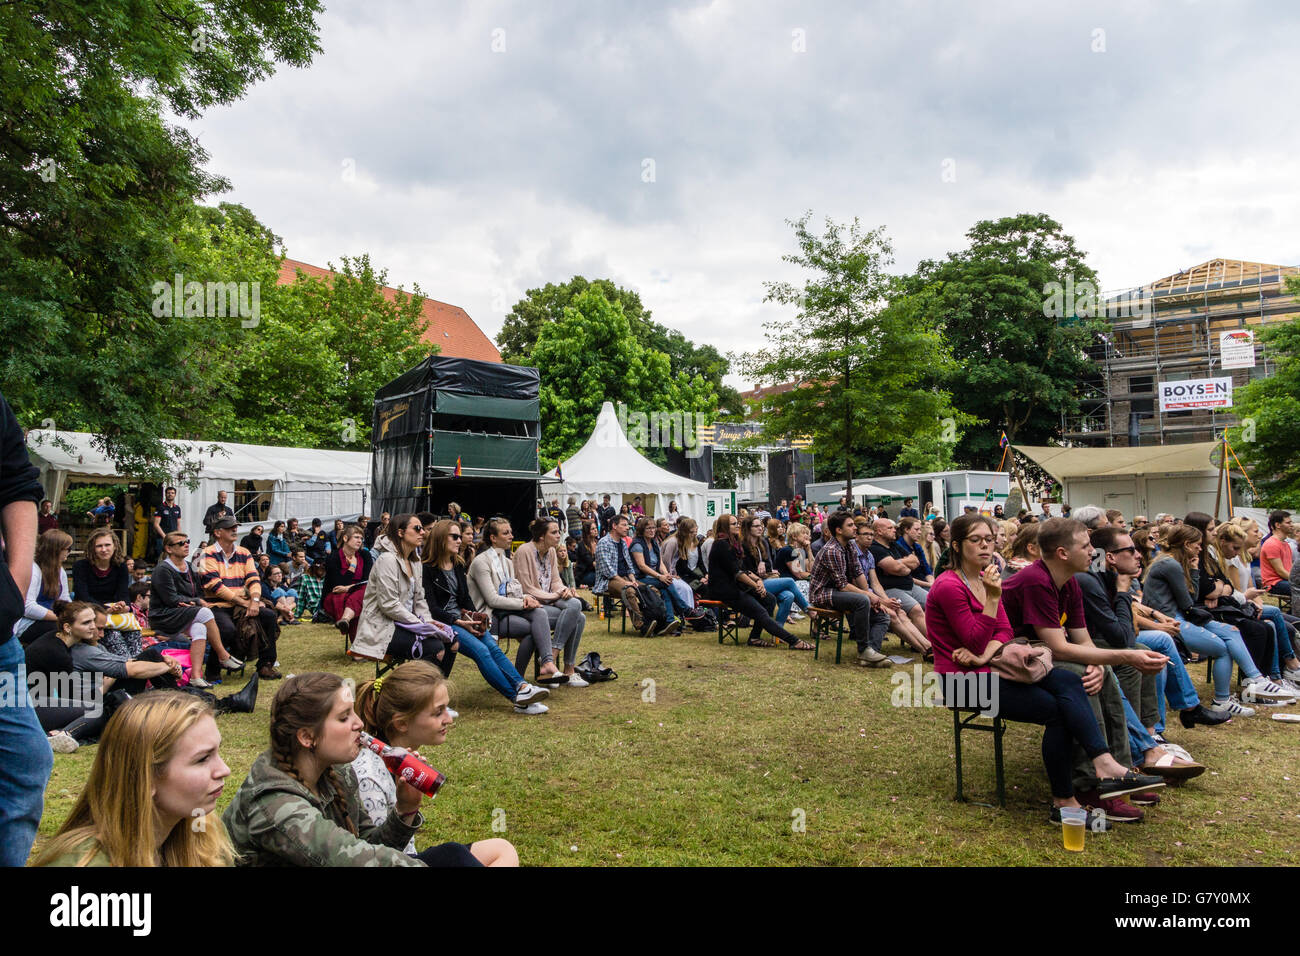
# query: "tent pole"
1015,473
1218,488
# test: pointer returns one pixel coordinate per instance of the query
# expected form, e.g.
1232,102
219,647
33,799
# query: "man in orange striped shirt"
230,579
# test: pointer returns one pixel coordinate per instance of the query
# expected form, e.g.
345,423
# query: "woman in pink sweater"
967,625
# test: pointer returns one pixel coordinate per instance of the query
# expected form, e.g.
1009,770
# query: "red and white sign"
1237,349
1195,393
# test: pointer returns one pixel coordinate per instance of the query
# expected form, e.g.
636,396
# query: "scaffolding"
1170,330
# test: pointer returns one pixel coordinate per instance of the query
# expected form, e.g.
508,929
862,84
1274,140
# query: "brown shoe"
268,673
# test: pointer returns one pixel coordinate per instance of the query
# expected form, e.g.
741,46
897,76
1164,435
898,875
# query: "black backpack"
652,606
702,619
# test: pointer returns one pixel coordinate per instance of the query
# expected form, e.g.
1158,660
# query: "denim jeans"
672,602
567,624
490,661
1139,741
787,594
1273,615
1224,644
1180,690
25,760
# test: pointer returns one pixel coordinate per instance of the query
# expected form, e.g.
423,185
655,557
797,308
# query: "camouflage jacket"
275,821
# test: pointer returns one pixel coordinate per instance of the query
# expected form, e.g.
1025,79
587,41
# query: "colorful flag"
559,469
1002,442
457,473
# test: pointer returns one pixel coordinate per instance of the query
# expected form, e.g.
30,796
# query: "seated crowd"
1117,614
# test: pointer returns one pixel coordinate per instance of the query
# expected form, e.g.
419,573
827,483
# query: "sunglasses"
183,544
1131,549
454,537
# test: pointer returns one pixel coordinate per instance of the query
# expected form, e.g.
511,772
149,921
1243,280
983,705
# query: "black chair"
997,729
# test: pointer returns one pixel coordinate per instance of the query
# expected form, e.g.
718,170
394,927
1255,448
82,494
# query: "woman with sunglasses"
447,585
178,613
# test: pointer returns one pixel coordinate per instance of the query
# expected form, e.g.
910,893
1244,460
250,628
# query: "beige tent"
1145,480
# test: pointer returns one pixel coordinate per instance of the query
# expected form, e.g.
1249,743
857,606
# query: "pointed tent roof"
608,462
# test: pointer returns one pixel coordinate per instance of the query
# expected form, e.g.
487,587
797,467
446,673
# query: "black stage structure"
486,415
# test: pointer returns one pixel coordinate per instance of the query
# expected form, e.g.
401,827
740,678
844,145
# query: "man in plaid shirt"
831,586
309,589
230,579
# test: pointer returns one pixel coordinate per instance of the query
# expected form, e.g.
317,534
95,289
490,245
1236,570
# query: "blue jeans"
671,600
1180,690
786,593
25,759
1223,643
1285,651
1139,740
490,661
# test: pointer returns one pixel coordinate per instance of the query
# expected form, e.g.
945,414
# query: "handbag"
1198,615
1022,662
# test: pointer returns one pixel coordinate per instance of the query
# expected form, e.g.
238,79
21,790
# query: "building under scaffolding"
1170,331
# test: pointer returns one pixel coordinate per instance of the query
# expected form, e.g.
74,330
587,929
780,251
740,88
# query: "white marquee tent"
302,483
608,464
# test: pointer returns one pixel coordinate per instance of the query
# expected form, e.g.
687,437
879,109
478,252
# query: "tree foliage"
545,306
94,185
1016,367
1269,409
590,356
858,349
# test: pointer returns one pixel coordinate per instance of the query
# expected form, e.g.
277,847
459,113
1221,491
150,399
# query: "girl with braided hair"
297,807
408,708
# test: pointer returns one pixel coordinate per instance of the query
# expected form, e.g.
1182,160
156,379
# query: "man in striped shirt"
230,579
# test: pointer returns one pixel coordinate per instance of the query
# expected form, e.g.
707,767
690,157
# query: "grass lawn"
718,759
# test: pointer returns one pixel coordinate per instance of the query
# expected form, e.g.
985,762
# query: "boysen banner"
1195,393
1237,349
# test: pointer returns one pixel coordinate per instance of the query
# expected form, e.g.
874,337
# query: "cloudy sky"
482,149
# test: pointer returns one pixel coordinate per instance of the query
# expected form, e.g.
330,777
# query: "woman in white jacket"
49,583
494,587
395,616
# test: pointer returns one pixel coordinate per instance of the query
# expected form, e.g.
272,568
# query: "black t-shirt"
169,517
214,514
48,655
781,561
902,582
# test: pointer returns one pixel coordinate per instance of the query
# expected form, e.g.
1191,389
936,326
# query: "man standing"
230,580
25,756
166,519
606,514
1044,602
214,514
832,585
47,519
908,511
573,518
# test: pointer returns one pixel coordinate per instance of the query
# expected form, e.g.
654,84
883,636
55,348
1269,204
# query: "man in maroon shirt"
46,519
1045,603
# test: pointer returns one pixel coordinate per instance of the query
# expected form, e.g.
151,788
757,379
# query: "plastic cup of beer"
1074,821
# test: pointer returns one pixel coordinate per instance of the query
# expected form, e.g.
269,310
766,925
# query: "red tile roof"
449,326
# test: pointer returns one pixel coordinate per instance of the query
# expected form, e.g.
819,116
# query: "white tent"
301,483
608,464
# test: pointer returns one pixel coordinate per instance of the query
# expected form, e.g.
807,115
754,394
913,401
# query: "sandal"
1166,767
759,642
801,646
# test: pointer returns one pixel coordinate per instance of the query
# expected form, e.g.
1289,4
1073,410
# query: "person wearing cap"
230,579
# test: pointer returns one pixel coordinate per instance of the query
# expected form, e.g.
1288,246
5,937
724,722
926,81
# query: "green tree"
860,359
1269,409
541,307
590,356
1017,365
94,185
308,372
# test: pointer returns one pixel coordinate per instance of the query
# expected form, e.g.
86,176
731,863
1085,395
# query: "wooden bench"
727,626
822,619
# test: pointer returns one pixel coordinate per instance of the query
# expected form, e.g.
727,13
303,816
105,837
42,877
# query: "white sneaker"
796,616
1292,674
1261,688
531,693
1230,707
532,709
198,682
575,680
231,663
62,743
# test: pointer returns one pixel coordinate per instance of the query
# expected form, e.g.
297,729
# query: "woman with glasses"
395,619
179,614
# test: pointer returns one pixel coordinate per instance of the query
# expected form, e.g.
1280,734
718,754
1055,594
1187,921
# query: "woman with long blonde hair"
152,791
